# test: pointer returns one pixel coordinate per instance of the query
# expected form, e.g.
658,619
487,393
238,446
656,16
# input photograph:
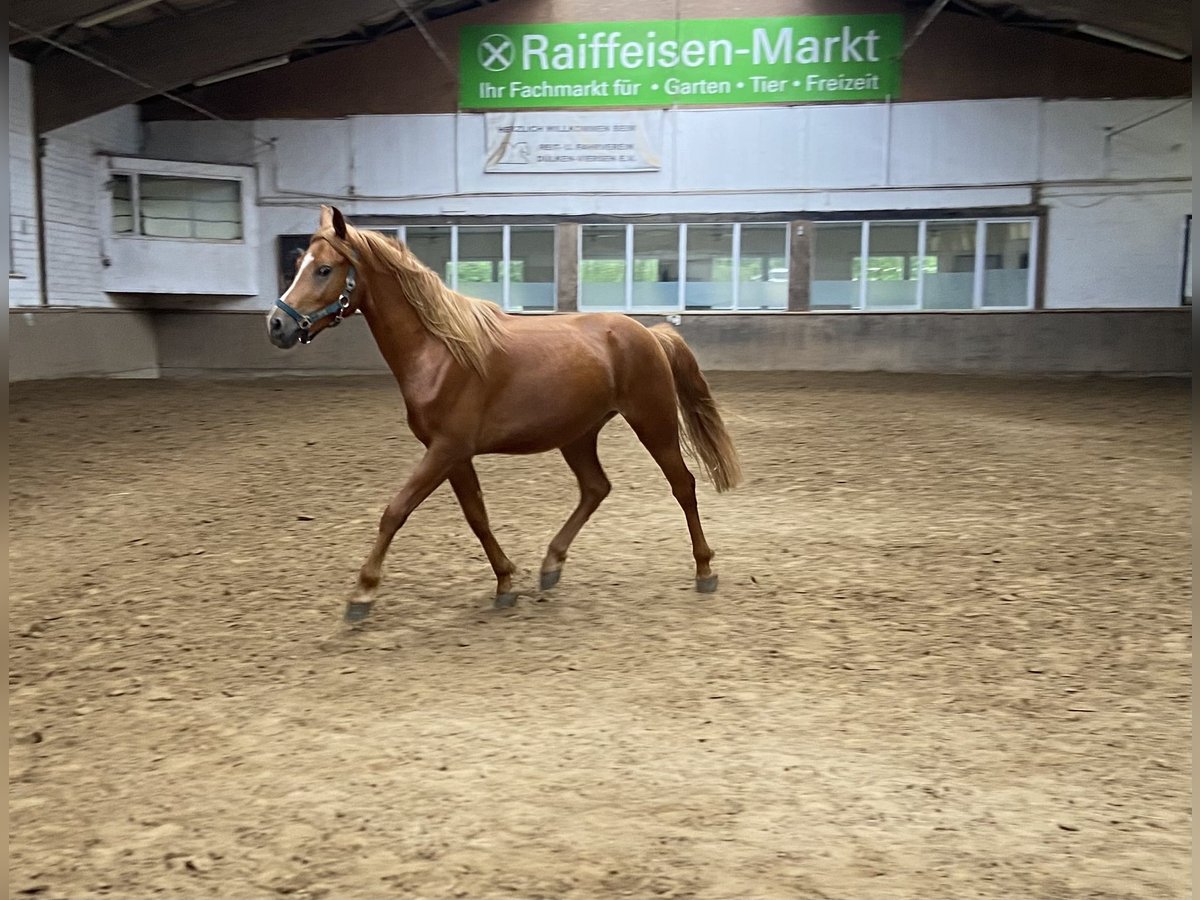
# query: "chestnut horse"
476,380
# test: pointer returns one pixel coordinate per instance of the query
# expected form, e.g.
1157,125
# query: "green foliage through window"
892,268
606,271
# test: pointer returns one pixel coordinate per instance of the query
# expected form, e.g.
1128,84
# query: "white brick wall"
72,177
23,290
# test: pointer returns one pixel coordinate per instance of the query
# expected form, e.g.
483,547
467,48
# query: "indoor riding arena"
427,606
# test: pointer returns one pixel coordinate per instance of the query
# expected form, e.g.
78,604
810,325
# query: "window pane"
531,267
205,208
950,272
217,209
837,252
764,276
122,204
709,267
164,207
480,254
1006,268
656,266
891,265
215,201
602,267
431,245
218,231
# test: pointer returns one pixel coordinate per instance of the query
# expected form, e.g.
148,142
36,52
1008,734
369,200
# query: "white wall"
81,343
136,264
416,164
1116,197
73,171
1116,242
25,288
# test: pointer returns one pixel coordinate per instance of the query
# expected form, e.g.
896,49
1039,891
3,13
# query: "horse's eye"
324,271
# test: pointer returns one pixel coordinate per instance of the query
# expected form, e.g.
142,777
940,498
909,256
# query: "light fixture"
1130,41
113,12
243,70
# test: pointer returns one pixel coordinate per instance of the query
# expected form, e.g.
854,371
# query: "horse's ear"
326,216
339,223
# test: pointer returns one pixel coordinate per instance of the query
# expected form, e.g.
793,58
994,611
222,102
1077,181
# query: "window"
1006,264
926,264
181,208
892,265
478,265
710,266
603,267
511,265
837,256
763,266
950,283
724,266
434,246
655,267
530,267
873,265
122,204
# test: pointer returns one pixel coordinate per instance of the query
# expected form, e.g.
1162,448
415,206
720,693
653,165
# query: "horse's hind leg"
593,488
658,430
470,497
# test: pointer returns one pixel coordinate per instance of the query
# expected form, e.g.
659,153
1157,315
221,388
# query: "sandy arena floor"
949,657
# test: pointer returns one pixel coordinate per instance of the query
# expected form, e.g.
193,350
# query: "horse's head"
321,294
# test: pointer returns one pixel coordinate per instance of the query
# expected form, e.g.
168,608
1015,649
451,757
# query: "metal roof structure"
90,56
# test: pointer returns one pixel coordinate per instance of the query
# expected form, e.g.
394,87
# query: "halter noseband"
337,310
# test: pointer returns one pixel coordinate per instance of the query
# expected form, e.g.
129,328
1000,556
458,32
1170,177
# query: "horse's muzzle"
283,332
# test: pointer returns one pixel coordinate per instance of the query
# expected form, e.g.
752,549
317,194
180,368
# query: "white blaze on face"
308,259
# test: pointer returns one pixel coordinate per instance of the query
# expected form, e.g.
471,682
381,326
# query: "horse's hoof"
356,611
550,579
707,585
506,601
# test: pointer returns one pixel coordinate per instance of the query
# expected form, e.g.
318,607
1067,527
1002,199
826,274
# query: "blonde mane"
470,328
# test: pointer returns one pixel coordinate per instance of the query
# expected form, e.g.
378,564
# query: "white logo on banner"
542,142
496,52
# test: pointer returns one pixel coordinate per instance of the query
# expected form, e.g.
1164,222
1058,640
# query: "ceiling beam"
171,53
41,16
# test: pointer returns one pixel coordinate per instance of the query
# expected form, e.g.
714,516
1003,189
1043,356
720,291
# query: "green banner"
799,59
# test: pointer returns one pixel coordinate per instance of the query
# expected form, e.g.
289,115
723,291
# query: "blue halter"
337,310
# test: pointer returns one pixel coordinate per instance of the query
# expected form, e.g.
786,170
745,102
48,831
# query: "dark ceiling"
168,45
90,56
1166,24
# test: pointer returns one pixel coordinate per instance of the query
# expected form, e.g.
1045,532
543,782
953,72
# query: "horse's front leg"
434,467
470,497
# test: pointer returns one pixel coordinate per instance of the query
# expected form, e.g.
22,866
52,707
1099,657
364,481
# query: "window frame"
865,263
135,173
981,257
978,272
504,264
681,297
976,219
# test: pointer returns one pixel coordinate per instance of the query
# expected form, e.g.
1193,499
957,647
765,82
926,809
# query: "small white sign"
541,142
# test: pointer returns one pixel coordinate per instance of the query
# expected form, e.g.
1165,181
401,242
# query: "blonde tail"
704,435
